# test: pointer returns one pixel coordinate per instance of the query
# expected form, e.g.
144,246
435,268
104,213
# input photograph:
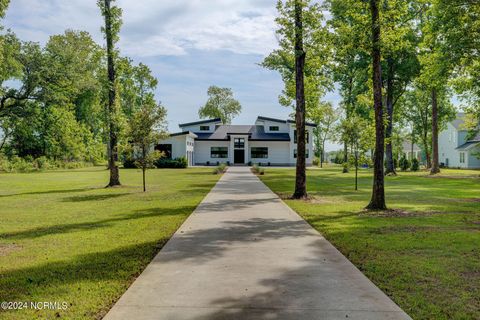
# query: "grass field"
425,255
65,238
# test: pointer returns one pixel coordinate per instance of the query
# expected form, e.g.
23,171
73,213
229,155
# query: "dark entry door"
239,156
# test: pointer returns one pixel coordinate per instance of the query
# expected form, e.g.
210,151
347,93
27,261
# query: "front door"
239,156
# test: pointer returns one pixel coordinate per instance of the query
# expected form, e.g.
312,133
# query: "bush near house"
404,163
415,165
221,168
177,163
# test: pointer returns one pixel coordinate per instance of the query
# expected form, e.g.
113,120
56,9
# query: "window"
204,128
239,143
462,157
295,153
166,149
273,128
219,152
259,153
295,136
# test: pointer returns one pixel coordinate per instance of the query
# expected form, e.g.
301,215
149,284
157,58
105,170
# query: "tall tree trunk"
323,153
390,165
378,193
435,165
301,176
356,170
345,156
143,174
112,127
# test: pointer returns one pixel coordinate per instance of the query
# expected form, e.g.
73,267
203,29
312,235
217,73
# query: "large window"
219,152
166,149
204,128
239,143
259,153
274,128
306,153
462,157
295,136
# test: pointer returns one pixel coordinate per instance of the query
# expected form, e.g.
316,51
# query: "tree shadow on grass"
91,225
94,197
50,280
49,192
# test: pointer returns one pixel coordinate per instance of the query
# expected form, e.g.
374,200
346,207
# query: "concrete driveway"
243,254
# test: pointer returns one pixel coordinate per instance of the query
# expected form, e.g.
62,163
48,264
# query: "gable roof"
254,133
200,122
311,124
459,121
468,145
407,146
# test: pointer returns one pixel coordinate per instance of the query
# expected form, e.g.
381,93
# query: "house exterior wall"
448,140
179,145
202,152
473,158
196,127
282,127
278,152
308,146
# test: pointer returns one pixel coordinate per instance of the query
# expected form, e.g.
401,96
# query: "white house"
209,142
456,149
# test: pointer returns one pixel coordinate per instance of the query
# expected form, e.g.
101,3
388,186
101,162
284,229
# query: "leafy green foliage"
316,45
220,104
404,163
415,166
178,163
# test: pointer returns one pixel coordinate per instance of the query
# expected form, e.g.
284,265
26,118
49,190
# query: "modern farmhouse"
209,142
456,148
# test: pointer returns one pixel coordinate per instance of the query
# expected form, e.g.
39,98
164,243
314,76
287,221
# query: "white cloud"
152,27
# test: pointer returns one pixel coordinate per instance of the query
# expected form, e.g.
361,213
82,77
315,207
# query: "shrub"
257,170
221,168
42,163
129,163
404,163
415,165
346,167
316,162
178,163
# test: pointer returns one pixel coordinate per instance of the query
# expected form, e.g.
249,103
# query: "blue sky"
188,44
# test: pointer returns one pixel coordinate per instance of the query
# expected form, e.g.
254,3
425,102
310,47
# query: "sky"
188,44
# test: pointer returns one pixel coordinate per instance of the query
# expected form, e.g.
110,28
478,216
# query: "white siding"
448,140
282,127
202,152
179,145
196,127
278,152
293,145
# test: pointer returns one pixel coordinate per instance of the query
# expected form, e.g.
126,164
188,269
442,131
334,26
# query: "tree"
147,126
378,193
220,104
324,117
303,60
112,16
400,63
358,133
350,70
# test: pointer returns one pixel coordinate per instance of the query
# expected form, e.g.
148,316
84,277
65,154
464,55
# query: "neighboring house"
407,150
208,142
456,150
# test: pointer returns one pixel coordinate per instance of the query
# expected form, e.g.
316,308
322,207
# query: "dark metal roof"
199,122
181,133
255,133
468,145
284,121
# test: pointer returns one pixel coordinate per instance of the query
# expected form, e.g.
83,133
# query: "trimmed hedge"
179,163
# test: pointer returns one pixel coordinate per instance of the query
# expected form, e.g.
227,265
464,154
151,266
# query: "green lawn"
425,255
65,238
